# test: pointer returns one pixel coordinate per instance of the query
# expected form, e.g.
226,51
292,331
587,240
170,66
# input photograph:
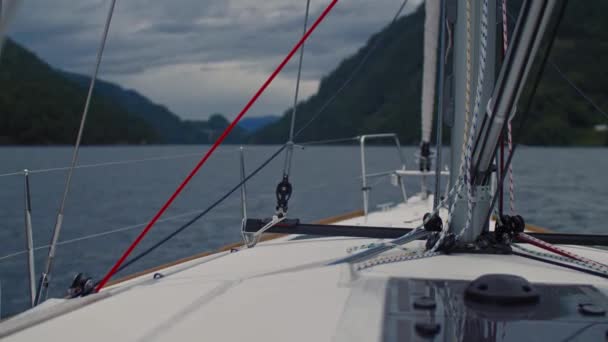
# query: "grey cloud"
148,34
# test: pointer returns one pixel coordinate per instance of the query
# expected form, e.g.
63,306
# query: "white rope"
387,259
398,241
574,256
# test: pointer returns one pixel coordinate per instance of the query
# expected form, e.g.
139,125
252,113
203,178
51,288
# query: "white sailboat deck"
281,290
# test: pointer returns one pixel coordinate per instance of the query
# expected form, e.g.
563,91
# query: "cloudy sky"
200,56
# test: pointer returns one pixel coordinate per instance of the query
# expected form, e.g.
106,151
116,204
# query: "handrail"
364,187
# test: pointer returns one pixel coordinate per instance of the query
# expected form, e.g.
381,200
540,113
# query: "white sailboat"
466,272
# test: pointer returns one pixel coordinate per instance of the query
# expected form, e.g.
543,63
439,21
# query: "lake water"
564,189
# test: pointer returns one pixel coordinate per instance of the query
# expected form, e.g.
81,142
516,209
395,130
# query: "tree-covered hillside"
38,105
385,94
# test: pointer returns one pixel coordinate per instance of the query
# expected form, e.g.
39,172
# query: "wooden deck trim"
537,229
338,218
265,237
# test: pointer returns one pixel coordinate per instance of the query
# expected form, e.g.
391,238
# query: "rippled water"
562,189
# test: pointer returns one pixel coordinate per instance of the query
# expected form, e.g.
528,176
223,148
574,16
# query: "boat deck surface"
281,290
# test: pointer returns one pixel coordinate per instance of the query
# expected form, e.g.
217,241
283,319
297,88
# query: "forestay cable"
45,277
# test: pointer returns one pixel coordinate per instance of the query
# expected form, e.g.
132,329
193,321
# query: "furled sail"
429,71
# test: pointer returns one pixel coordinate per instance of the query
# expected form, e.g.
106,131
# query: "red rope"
552,248
179,189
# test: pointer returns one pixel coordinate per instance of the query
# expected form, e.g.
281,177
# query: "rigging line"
95,165
577,89
289,153
249,104
557,250
57,229
203,213
351,76
563,262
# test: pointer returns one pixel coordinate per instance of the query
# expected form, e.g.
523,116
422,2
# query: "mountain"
385,94
211,129
169,127
39,105
256,123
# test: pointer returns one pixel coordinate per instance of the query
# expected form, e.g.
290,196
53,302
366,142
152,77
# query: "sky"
201,57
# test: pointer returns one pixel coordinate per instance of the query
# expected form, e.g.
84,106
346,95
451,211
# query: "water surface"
564,189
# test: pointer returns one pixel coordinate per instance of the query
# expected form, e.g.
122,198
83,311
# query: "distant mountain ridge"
256,123
169,127
39,105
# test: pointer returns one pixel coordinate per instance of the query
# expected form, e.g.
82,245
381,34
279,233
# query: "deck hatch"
556,316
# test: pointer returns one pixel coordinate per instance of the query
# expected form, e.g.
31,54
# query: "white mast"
429,75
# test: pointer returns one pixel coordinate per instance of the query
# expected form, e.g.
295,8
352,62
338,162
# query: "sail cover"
431,38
